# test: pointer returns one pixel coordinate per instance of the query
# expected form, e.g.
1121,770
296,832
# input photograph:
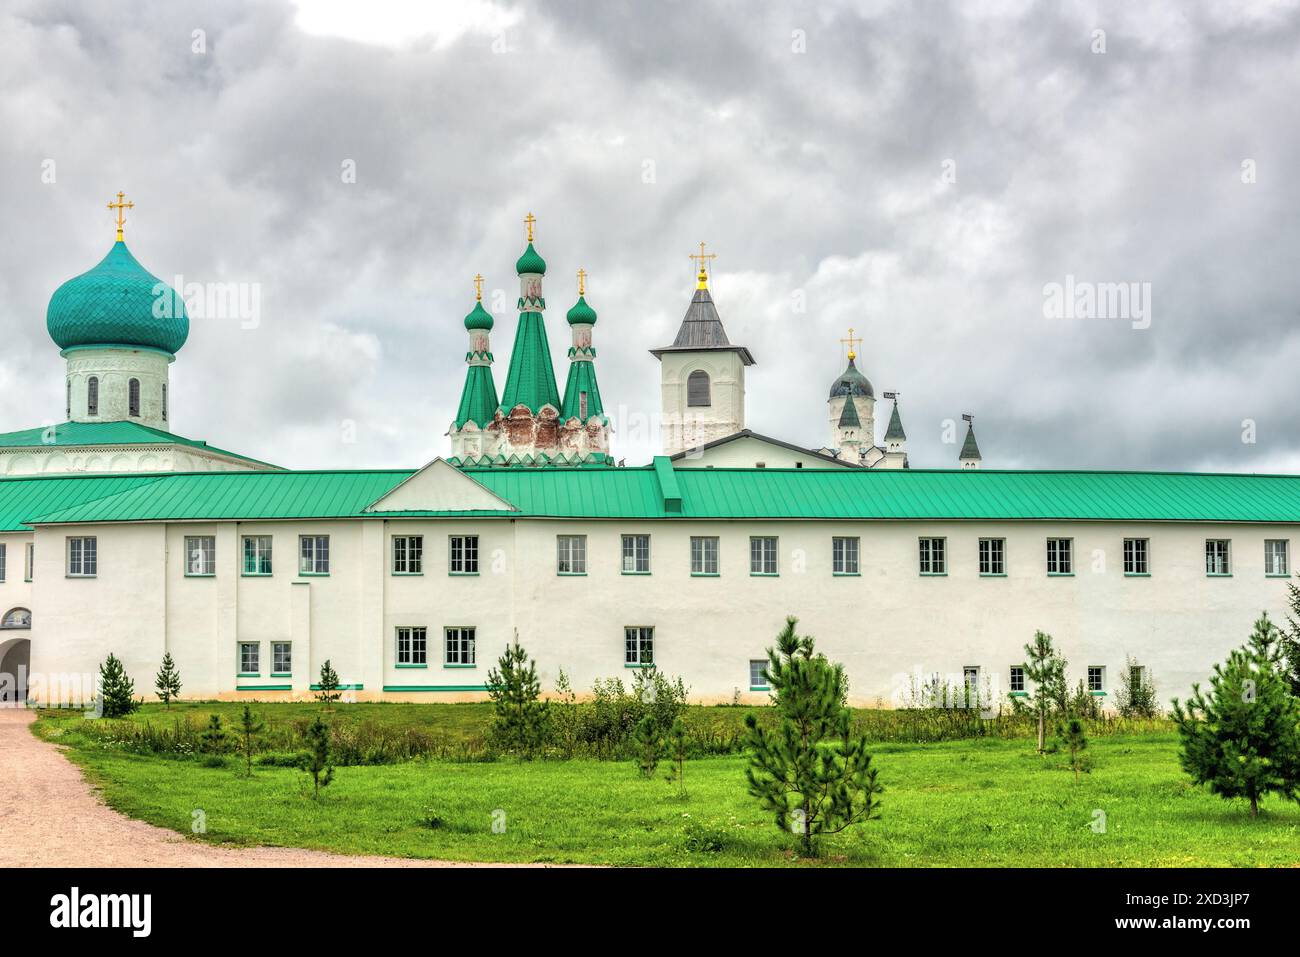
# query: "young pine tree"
649,743
1243,738
318,763
1074,739
168,681
328,686
810,772
213,738
1289,640
676,742
250,726
1046,669
521,721
115,689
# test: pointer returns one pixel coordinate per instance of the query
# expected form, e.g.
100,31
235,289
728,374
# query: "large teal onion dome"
530,262
117,303
581,313
852,382
478,318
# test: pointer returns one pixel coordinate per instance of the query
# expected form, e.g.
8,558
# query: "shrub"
1136,697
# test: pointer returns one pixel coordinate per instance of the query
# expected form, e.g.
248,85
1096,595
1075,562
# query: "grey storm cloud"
917,172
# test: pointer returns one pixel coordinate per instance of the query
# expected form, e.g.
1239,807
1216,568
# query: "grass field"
985,802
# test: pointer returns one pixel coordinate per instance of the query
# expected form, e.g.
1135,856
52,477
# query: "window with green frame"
257,555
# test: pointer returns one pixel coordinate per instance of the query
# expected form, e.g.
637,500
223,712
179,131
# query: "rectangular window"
636,554
571,554
257,554
463,555
29,561
460,647
281,659
1135,556
640,646
844,556
758,674
1135,680
762,556
1017,679
412,648
704,555
250,664
82,557
1275,557
408,554
1096,678
200,555
2,561
313,554
970,677
992,552
933,560
1216,557
1060,557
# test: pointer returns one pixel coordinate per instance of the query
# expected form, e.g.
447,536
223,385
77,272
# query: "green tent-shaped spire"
849,416
969,450
895,431
582,382
530,380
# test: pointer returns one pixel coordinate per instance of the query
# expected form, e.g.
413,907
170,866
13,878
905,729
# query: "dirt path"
50,817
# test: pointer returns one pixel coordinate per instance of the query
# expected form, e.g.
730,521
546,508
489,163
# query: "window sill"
407,574
1018,694
1276,575
846,574
1097,694
462,574
1060,574
933,574
249,674
313,574
570,574
764,574
459,666
411,666
634,573
254,574
1137,574
759,688
1218,574
993,574
76,576
200,574
281,674
705,575
646,665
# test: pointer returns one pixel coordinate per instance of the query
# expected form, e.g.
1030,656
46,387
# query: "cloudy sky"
923,173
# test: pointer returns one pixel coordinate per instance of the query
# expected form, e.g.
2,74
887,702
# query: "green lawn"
984,802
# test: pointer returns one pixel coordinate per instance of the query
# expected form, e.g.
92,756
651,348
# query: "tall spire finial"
851,342
582,282
478,287
528,221
120,206
703,278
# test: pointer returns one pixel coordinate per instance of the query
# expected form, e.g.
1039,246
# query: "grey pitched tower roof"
701,330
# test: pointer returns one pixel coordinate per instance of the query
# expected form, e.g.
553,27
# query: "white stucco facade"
886,624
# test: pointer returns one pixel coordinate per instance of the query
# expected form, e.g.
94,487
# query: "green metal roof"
478,318
530,262
646,493
581,313
115,303
478,400
582,378
106,433
21,498
530,379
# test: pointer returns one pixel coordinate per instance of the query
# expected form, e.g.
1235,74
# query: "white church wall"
746,453
685,426
886,624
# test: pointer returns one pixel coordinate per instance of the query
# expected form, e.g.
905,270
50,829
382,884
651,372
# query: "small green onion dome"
581,313
851,382
117,303
530,262
478,318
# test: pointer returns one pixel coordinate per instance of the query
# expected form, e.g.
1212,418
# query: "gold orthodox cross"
478,287
119,206
582,282
528,221
702,259
850,342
